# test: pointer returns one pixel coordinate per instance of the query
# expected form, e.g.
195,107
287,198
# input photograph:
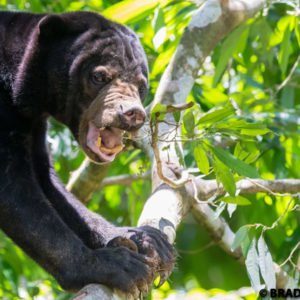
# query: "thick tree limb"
124,179
86,179
98,292
214,20
209,188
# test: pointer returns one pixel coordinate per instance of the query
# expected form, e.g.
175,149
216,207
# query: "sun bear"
90,74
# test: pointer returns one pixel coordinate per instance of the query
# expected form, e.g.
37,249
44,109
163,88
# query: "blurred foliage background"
250,67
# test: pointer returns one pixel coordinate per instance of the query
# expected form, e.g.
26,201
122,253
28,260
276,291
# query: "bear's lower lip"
106,143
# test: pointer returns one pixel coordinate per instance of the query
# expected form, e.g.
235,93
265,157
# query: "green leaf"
201,159
162,60
179,154
161,116
215,96
129,10
246,245
253,156
75,5
238,200
234,163
240,124
239,152
225,176
297,30
158,19
237,134
244,127
253,266
266,264
216,115
189,122
227,50
176,116
287,96
158,108
284,52
255,132
265,33
278,35
240,236
241,45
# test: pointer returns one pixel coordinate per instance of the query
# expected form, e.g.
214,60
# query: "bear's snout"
131,118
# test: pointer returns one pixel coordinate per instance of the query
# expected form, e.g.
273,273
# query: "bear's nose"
134,114
132,118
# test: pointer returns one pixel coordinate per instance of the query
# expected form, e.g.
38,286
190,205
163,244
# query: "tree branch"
84,181
124,179
282,187
214,20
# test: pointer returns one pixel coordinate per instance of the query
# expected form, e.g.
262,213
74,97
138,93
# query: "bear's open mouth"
105,142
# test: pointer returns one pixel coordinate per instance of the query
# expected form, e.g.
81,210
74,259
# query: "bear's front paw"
126,270
150,242
118,268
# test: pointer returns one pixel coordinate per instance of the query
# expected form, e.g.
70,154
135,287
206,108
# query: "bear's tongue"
104,142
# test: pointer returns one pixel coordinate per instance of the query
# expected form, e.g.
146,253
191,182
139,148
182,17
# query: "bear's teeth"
112,150
98,142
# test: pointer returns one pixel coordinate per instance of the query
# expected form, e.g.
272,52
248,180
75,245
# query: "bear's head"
89,73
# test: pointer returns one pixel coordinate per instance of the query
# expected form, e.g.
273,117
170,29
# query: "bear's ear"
30,85
54,26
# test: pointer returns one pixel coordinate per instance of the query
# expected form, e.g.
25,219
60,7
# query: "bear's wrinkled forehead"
119,50
125,54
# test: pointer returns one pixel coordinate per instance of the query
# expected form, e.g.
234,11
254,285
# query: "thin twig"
196,192
270,191
289,259
174,184
275,223
280,218
288,78
210,244
124,179
179,107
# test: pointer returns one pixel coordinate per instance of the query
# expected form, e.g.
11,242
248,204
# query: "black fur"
44,70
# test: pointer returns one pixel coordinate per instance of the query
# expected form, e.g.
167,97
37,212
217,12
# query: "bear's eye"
99,77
